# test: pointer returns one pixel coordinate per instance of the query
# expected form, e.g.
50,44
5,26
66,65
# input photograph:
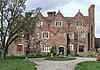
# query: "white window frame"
57,24
71,35
79,23
45,48
45,36
71,46
81,34
39,24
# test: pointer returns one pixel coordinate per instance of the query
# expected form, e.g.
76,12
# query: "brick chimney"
91,11
28,14
51,14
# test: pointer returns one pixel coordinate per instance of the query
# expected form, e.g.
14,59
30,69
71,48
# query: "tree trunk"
3,54
75,50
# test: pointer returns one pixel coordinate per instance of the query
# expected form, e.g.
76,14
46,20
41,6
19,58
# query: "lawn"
88,65
59,58
16,64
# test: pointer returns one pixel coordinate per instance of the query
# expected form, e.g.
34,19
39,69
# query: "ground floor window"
45,48
71,46
81,48
19,47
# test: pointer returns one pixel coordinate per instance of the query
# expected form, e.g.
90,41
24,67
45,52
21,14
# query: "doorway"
61,50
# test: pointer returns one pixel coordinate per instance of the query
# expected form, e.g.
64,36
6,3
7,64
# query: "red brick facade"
75,33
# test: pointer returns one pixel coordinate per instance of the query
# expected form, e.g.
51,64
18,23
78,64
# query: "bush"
28,56
53,50
90,54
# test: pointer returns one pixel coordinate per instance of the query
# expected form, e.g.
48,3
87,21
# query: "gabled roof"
79,13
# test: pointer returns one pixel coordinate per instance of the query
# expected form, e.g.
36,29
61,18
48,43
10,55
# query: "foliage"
14,25
9,26
28,56
59,58
53,50
16,64
88,65
90,53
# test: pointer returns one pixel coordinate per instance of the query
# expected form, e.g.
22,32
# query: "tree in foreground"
9,28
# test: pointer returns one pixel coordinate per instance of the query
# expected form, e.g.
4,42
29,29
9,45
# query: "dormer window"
79,23
58,23
39,24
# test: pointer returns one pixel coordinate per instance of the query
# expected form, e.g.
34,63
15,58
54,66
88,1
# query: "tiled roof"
69,19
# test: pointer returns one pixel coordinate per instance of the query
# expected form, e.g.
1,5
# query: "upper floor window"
81,34
79,23
39,24
58,23
45,35
71,35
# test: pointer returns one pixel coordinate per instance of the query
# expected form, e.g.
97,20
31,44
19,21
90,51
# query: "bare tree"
9,28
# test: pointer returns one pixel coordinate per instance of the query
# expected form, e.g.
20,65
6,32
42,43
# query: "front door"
61,50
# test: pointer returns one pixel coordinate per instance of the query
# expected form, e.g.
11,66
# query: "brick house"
67,33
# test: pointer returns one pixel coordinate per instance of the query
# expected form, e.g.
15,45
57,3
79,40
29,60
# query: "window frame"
43,36
82,50
45,48
39,24
57,24
19,46
72,35
81,35
78,24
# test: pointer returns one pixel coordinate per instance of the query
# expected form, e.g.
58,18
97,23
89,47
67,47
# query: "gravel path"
59,65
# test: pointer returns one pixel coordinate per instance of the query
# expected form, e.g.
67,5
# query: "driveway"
59,65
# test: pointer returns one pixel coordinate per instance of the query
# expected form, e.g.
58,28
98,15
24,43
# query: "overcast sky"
68,8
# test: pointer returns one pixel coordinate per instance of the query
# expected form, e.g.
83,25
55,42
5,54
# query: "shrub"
53,50
90,54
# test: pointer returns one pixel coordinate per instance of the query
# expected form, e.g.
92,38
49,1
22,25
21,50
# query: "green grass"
16,64
88,65
59,58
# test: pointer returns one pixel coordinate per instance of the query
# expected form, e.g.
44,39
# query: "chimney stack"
91,11
51,14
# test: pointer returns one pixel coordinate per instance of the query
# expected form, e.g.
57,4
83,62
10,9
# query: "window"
39,24
71,46
58,23
81,34
81,48
20,47
45,48
79,23
71,35
45,35
38,35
